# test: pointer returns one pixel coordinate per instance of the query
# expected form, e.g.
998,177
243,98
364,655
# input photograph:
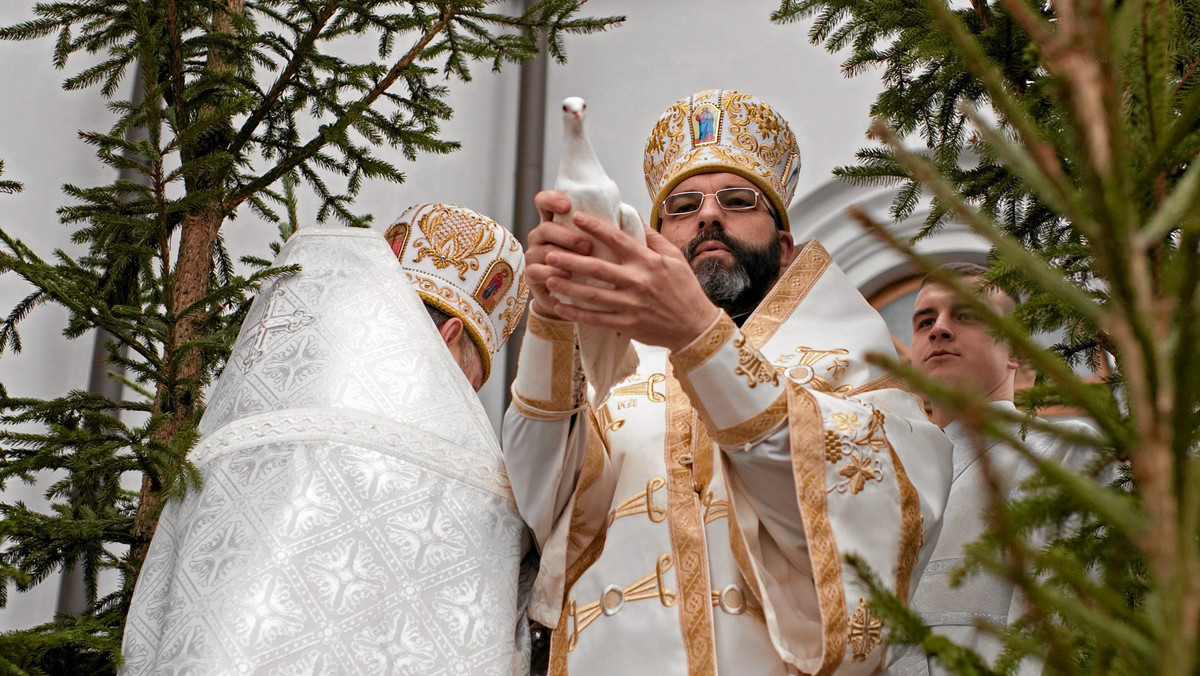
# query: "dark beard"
738,288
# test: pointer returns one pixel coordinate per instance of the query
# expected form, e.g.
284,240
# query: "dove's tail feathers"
607,359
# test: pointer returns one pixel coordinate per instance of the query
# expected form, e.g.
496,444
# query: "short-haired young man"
953,345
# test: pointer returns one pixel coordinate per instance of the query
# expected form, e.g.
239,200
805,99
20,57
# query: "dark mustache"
710,235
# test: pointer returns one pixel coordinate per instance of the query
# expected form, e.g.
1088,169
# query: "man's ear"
451,330
786,246
1014,364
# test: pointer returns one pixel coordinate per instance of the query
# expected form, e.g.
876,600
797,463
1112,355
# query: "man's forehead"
937,295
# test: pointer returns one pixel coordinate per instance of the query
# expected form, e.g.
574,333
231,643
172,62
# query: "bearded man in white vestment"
354,515
953,345
696,521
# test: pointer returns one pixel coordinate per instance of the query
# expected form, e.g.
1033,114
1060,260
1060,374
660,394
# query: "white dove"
607,356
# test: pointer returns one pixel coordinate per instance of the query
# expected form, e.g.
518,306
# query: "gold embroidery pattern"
604,418
911,534
833,446
884,382
514,306
644,388
702,462
866,632
804,371
553,330
527,409
593,466
642,503
859,447
721,130
582,534
808,464
614,598
793,286
714,508
858,471
777,139
752,365
687,534
565,372
704,347
666,141
453,239
753,429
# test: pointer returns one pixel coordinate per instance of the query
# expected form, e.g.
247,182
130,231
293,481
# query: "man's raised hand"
655,298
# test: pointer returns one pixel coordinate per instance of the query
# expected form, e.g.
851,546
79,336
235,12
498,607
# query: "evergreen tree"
242,102
1082,175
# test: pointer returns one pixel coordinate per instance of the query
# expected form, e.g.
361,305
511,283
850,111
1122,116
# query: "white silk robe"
354,516
698,520
954,612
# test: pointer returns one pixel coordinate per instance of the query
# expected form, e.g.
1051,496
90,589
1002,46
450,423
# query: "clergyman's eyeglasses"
730,199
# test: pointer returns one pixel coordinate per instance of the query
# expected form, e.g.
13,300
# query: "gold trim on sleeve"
755,428
534,410
566,381
705,345
553,330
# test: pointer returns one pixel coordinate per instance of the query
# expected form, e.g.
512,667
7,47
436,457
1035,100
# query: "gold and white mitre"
466,265
354,515
722,130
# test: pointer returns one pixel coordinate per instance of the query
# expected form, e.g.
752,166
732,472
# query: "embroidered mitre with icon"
722,130
466,265
354,508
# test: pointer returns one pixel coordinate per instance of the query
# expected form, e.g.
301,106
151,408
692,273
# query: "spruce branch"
327,131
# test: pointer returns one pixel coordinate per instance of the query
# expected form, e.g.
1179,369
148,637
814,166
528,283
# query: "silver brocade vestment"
355,516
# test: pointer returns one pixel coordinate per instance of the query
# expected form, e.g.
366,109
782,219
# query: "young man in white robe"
697,520
952,345
354,515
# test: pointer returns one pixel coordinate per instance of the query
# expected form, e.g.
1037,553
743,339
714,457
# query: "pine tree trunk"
187,284
178,399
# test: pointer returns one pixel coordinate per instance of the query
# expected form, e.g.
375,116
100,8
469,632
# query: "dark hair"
437,315
960,269
965,269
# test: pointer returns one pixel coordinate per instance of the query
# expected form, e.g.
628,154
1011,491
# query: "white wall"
629,75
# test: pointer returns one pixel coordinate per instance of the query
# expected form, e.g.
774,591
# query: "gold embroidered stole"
688,454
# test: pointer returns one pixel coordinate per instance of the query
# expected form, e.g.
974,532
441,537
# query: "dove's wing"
631,223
